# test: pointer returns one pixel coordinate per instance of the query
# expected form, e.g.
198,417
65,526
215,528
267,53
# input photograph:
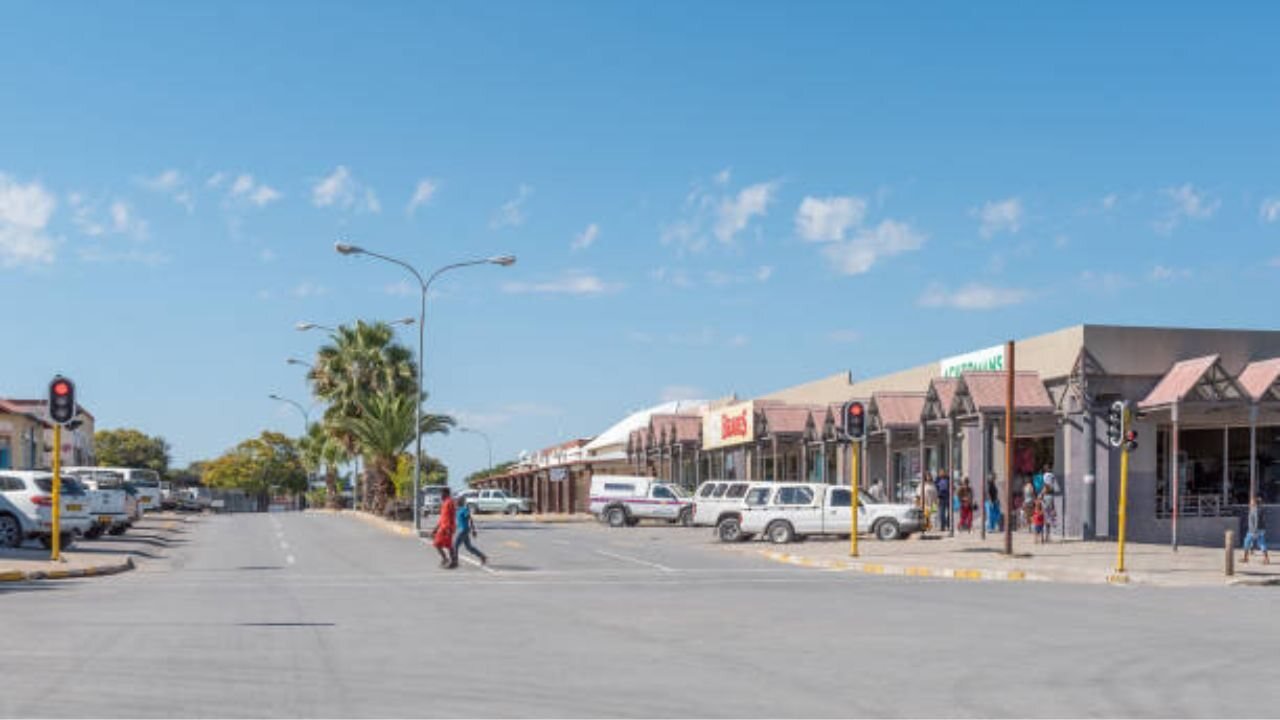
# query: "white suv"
31,493
715,500
783,512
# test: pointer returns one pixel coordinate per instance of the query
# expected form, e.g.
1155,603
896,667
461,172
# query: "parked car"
714,499
108,503
783,512
432,498
15,525
498,501
31,493
146,482
625,500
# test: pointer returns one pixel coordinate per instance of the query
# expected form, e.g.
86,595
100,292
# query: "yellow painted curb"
874,569
907,571
918,571
1118,578
967,575
12,576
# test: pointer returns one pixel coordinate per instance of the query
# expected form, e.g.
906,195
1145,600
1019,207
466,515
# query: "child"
1037,520
466,529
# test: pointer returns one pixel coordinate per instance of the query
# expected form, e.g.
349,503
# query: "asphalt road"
321,615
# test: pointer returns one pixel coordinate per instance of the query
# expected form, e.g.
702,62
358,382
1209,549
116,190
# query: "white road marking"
637,561
290,560
485,568
285,546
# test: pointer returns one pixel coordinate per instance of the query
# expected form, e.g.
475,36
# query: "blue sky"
705,198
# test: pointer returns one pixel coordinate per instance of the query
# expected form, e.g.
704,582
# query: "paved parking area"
320,615
150,540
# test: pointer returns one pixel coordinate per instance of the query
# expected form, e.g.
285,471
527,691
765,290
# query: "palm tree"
382,429
323,452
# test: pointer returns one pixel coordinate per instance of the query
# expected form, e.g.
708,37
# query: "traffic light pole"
1124,495
853,498
55,541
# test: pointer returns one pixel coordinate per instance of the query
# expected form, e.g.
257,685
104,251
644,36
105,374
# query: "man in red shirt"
443,540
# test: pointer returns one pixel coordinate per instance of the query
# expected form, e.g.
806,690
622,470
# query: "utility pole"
1008,447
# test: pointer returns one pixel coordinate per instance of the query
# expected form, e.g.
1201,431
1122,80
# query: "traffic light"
1131,440
1115,423
62,400
855,420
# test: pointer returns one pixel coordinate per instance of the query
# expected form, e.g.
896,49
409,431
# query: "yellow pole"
853,500
57,490
1124,489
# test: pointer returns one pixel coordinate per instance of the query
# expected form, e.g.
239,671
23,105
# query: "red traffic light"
855,409
61,389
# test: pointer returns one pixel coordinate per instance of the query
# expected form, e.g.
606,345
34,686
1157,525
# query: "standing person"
466,531
445,525
1028,502
1048,493
928,499
877,490
944,499
1256,538
1037,520
993,504
965,495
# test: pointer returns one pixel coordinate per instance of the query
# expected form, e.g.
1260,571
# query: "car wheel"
685,518
729,530
64,541
511,510
117,530
887,530
10,531
616,517
780,532
94,532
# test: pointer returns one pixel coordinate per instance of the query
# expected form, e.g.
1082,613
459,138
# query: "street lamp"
488,443
296,361
306,419
305,326
424,285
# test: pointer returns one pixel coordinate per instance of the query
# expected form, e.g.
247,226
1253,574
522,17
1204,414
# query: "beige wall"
16,429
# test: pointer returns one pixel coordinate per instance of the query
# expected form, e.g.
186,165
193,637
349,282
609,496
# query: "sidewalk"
88,558
970,558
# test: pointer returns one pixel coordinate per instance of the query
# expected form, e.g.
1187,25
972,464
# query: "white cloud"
858,255
723,177
973,297
1109,282
173,184
342,191
671,393
734,213
215,180
25,211
309,289
125,222
571,283
1270,210
720,278
711,210
404,288
1161,273
999,216
764,272
422,195
243,189
1188,204
844,335
586,238
828,219
1109,201
511,214
667,276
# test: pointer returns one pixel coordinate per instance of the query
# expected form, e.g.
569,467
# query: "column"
1253,451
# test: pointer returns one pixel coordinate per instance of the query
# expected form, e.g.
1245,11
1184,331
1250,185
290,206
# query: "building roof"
617,434
898,409
939,397
7,406
1258,379
785,419
1201,378
986,392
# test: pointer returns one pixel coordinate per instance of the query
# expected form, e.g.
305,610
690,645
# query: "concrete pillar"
1253,451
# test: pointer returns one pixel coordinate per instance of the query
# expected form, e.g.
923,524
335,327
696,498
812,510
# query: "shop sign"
989,359
729,425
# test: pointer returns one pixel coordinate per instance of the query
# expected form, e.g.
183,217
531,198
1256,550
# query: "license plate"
104,519
73,508
146,498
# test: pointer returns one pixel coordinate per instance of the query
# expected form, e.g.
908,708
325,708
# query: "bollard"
1230,558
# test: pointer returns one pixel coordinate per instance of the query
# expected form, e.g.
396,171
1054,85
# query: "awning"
984,392
1201,379
784,419
896,410
939,397
1258,379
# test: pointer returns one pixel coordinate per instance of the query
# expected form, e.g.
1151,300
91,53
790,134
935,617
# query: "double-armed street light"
424,285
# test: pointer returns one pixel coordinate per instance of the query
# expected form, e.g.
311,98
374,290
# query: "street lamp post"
488,443
424,286
306,418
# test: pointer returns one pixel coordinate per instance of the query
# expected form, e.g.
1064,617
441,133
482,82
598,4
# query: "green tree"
127,447
382,429
188,476
269,464
363,368
323,453
499,469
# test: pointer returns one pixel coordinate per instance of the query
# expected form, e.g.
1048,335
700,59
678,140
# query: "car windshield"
146,478
70,486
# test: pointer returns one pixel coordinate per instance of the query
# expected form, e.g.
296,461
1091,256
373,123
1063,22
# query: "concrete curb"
91,571
874,568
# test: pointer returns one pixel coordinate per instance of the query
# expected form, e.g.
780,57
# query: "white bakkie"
782,512
624,500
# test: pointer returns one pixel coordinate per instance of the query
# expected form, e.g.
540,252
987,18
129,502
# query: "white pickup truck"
782,512
108,501
625,500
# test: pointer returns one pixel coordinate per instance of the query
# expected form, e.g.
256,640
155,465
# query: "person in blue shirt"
466,529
